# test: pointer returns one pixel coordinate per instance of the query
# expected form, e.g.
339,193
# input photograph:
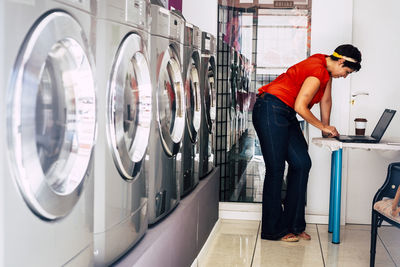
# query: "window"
282,39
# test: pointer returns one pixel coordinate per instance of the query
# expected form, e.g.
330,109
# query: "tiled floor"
238,243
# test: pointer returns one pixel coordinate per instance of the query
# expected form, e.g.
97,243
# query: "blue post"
331,199
337,196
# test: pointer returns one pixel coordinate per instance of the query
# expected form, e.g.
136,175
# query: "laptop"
376,135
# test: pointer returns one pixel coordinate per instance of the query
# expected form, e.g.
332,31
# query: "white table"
336,175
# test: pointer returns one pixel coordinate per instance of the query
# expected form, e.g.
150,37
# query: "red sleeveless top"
287,85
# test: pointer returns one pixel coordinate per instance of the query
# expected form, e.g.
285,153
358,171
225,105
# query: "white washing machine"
124,118
208,97
189,169
48,124
168,120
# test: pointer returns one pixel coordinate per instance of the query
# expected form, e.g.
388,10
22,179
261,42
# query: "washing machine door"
51,115
129,106
170,102
210,94
193,97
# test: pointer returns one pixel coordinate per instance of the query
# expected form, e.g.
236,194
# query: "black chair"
385,205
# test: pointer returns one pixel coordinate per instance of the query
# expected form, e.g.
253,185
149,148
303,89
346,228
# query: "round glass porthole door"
52,116
210,94
171,103
129,104
193,99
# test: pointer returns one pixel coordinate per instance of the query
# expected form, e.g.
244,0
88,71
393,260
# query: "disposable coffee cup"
360,124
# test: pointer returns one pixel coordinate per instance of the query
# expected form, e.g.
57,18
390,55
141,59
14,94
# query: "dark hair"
351,51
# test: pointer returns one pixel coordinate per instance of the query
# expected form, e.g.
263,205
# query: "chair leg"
374,232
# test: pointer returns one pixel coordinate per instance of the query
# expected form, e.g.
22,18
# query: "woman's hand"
329,131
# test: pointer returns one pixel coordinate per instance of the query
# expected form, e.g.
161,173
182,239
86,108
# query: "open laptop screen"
383,123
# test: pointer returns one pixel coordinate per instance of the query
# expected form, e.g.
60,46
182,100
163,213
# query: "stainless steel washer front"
125,115
168,116
52,116
171,103
208,92
129,103
194,100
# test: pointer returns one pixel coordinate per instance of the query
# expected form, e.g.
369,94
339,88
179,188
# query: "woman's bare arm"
308,90
326,105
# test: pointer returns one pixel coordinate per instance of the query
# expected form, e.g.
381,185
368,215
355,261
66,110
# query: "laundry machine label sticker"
135,13
207,44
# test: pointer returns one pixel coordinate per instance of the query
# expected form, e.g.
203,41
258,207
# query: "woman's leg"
271,124
299,167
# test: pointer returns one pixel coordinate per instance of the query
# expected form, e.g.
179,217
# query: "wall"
379,41
329,29
176,4
335,22
203,14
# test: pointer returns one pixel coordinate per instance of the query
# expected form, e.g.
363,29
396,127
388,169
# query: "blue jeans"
281,139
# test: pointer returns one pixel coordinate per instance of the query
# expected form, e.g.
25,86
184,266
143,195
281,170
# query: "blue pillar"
331,199
337,195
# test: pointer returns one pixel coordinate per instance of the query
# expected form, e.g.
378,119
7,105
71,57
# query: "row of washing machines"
107,119
239,81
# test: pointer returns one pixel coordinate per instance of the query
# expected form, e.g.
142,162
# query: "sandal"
304,236
290,238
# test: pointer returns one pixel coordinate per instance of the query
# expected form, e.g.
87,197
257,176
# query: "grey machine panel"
125,108
50,124
208,96
168,115
189,171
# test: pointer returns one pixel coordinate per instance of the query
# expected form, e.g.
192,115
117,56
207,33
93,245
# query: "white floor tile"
233,244
238,243
353,250
390,236
278,253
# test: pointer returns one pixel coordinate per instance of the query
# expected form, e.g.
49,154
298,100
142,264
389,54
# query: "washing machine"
168,119
189,169
233,87
49,124
124,119
247,93
179,27
228,96
233,151
208,97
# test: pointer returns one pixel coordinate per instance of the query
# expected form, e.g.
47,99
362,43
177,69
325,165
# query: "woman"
281,139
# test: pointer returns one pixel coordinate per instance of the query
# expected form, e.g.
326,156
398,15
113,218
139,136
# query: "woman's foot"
304,236
290,238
